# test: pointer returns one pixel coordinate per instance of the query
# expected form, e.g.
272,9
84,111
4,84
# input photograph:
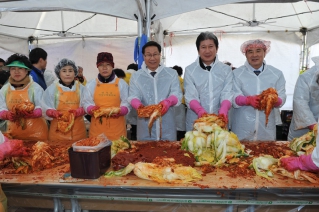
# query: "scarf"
69,86
19,85
109,79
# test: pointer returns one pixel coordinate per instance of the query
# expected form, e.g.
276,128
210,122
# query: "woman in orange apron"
108,91
66,96
21,92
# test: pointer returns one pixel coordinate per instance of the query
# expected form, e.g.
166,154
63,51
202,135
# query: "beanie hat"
104,57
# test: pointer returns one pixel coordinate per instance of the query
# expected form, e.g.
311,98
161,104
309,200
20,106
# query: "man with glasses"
155,84
4,75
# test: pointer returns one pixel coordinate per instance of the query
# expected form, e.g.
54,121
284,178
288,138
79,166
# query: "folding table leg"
58,207
75,207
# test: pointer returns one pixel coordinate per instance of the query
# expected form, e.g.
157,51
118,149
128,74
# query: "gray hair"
206,36
65,62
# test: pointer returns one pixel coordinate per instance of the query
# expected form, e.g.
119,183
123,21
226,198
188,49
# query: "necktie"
257,72
153,73
208,68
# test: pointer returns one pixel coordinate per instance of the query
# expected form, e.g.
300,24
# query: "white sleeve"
124,94
86,98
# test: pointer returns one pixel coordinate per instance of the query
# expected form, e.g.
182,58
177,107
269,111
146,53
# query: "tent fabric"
93,26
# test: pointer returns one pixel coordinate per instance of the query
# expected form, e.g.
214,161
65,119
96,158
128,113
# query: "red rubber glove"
197,108
167,103
136,104
12,148
78,112
304,162
91,108
123,112
311,127
252,101
6,115
53,113
36,113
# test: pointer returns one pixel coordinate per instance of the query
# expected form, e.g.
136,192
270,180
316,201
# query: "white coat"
152,90
209,88
305,103
247,122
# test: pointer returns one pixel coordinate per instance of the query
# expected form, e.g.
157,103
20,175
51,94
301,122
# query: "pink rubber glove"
241,100
37,113
167,103
224,108
12,148
252,101
6,115
304,162
123,112
53,113
136,104
278,103
78,112
197,108
91,108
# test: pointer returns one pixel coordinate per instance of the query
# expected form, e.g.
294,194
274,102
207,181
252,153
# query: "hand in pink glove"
123,112
92,108
136,104
12,148
6,115
78,112
167,103
278,103
36,113
197,108
53,113
252,101
224,108
304,162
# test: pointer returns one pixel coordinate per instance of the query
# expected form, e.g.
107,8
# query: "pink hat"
258,43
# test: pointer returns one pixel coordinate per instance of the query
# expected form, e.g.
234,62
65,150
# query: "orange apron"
68,100
108,95
37,128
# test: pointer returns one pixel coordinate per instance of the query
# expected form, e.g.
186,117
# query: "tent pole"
139,20
304,49
148,19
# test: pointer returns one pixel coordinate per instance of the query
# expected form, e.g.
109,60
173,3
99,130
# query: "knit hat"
104,57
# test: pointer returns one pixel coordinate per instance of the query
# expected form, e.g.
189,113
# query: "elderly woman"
22,90
66,94
107,90
207,82
250,80
305,102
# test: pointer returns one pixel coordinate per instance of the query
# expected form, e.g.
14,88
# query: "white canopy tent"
79,29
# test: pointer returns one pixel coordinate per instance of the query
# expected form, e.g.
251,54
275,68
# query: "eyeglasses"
151,55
